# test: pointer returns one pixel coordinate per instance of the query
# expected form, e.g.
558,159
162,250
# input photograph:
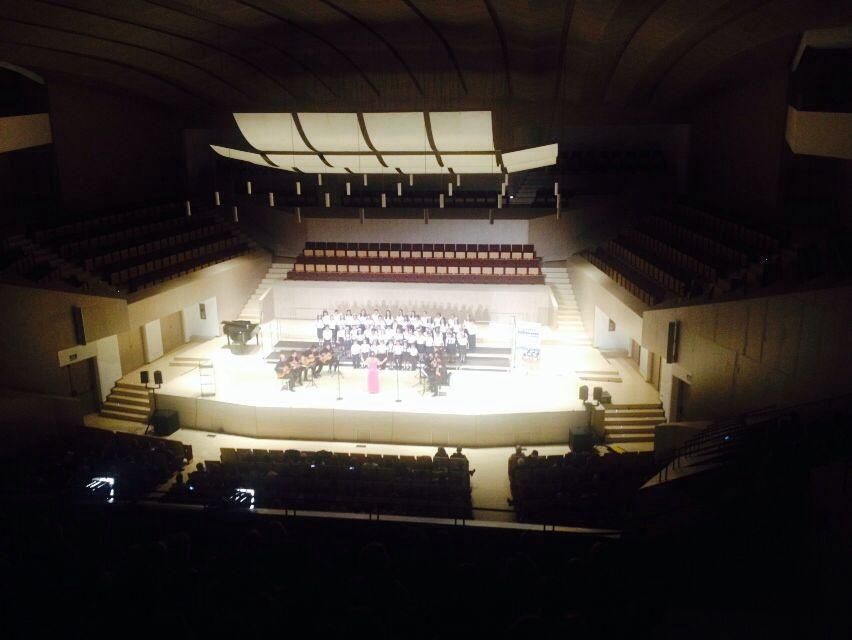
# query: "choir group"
399,340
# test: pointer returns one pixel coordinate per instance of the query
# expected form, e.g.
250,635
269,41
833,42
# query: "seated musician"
311,363
281,365
295,369
329,358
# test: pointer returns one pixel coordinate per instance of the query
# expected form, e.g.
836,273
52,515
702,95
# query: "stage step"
635,405
633,421
121,415
134,400
628,438
132,386
636,413
113,405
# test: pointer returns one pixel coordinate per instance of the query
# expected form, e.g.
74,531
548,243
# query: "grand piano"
239,332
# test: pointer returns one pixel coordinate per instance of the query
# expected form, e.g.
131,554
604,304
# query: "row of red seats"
417,277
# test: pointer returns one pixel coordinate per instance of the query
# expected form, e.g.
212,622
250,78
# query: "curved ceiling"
629,56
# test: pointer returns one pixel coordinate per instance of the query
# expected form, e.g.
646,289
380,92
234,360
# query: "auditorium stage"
479,408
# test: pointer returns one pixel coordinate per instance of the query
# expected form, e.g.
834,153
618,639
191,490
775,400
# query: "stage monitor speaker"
165,422
596,393
673,341
580,439
143,377
158,377
79,326
584,392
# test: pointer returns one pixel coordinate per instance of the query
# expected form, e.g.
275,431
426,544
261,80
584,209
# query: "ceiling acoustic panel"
415,164
333,131
463,140
270,131
236,154
532,158
397,131
358,163
303,163
469,163
462,130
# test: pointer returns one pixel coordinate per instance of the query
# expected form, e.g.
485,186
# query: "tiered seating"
634,282
503,263
139,464
308,480
133,250
584,488
686,255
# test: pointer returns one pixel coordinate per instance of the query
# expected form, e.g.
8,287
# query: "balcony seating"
136,249
392,262
686,254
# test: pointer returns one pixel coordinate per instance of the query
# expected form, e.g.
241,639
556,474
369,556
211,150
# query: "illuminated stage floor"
479,408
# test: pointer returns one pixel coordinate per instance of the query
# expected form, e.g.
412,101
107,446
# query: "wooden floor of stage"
246,377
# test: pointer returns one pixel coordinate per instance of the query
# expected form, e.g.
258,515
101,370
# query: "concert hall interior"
307,299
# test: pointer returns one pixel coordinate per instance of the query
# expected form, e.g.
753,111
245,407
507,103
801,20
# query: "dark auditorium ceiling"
627,57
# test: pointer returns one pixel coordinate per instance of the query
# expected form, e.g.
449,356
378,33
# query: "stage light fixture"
384,201
248,187
450,189
399,189
410,179
236,214
188,209
348,188
499,200
556,188
365,179
217,198
319,179
298,188
327,200
299,215
271,199
458,179
441,201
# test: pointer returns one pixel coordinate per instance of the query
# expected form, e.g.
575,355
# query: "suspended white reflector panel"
415,164
358,164
462,130
531,158
235,154
270,131
472,163
306,164
397,131
333,131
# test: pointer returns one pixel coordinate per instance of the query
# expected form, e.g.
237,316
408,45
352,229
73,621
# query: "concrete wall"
593,288
231,283
747,354
43,339
194,326
40,325
737,142
112,149
414,231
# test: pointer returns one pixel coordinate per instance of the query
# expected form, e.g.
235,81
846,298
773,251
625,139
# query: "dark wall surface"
112,149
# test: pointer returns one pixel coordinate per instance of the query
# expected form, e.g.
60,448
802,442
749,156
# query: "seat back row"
404,250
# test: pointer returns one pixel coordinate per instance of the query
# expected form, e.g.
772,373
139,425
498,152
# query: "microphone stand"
339,395
397,385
